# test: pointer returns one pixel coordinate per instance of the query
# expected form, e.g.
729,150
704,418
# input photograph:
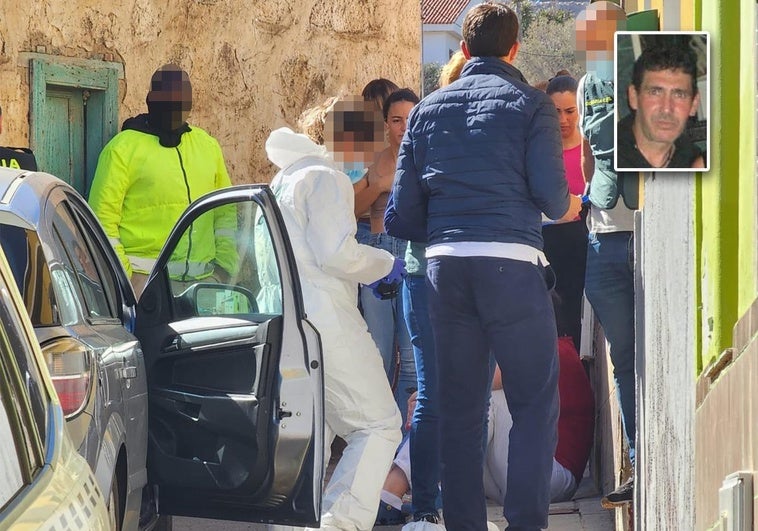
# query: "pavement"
583,513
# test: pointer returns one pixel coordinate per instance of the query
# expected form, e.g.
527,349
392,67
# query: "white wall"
665,361
437,45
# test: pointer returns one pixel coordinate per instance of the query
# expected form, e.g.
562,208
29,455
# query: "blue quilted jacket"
480,160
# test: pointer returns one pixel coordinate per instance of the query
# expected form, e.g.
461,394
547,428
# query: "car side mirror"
209,298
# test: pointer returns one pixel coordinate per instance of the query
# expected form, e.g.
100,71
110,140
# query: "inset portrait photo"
662,102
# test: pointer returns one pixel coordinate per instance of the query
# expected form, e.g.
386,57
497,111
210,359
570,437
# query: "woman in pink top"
566,243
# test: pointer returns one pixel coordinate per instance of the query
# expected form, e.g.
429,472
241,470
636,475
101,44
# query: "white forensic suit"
316,201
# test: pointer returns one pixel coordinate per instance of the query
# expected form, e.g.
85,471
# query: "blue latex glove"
397,273
389,286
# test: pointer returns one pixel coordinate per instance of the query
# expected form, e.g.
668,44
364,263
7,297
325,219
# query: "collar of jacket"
491,65
142,124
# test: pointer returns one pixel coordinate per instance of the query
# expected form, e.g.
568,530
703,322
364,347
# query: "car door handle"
128,373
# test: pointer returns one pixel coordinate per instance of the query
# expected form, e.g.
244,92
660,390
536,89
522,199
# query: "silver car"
45,483
215,386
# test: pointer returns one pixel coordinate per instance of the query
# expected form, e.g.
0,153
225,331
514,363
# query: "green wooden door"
74,113
63,147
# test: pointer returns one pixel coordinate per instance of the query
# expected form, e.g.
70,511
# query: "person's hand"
397,273
387,287
575,206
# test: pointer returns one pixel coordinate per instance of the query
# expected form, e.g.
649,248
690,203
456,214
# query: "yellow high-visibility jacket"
141,188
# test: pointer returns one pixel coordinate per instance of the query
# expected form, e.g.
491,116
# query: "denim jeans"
481,306
425,443
609,286
387,325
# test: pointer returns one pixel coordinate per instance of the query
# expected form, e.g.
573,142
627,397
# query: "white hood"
284,147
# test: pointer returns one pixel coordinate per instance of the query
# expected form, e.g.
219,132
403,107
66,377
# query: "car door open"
234,368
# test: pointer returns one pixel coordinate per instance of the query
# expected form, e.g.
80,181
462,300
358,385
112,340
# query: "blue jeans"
387,325
479,306
425,445
609,286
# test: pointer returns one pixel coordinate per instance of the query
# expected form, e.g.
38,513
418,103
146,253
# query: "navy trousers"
479,305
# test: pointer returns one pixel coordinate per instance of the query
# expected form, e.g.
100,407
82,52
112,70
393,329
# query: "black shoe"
433,518
624,493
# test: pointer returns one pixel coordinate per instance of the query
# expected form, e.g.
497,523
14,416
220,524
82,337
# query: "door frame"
294,388
100,77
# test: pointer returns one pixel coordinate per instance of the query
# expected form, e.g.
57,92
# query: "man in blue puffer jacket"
480,160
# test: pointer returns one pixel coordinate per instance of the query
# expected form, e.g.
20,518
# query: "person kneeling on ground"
576,427
576,424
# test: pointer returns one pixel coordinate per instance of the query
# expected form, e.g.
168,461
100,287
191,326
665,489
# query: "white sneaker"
492,527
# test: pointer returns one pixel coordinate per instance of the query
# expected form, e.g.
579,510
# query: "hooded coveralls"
316,202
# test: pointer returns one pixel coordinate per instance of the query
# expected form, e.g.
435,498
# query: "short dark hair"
561,84
655,59
403,94
490,30
377,91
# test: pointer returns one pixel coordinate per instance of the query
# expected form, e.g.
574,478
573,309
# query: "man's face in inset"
595,29
170,96
354,132
663,105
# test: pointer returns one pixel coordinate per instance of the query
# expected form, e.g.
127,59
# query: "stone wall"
254,65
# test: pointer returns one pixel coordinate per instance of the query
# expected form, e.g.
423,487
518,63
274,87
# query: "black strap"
18,158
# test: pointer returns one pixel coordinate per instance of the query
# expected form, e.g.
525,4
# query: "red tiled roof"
442,11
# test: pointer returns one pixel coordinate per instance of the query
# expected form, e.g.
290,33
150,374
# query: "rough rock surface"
254,65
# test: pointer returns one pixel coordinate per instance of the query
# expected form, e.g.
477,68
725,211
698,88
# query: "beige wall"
726,431
254,65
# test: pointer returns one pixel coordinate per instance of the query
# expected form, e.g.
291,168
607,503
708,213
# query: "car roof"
22,195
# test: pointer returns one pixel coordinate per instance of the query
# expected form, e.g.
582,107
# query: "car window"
11,479
31,273
100,261
20,348
20,444
225,264
80,266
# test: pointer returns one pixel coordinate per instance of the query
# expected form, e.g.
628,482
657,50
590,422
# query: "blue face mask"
354,170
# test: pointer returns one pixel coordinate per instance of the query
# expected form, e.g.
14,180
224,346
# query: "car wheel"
114,506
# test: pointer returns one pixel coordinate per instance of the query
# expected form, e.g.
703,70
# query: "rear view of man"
480,161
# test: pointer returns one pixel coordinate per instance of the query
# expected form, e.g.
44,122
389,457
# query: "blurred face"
358,146
170,97
663,104
595,29
397,121
565,104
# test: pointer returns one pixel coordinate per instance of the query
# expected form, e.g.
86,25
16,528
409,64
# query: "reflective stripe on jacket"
141,188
